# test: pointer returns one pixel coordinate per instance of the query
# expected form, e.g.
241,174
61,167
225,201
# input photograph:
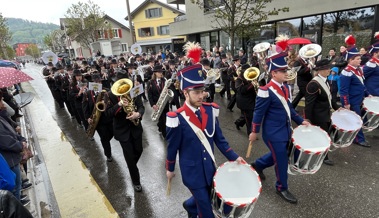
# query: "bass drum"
371,113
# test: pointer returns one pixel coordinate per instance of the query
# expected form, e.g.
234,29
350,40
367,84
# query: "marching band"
181,91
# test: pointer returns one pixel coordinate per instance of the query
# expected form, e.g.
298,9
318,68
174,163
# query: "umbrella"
24,99
63,55
11,76
5,63
298,41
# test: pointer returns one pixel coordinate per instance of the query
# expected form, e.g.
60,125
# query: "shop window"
290,28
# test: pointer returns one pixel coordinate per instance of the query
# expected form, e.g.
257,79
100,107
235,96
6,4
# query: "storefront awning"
155,42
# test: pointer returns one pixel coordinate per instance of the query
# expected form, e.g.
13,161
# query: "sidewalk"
62,185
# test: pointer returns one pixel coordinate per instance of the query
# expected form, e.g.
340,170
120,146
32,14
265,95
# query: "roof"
62,22
146,2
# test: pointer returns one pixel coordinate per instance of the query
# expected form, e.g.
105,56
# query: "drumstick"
168,192
249,149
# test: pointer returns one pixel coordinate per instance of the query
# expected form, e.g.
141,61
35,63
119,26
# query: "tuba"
96,113
166,95
252,74
122,88
214,73
261,50
292,73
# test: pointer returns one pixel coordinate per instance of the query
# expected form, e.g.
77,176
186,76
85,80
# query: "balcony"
178,2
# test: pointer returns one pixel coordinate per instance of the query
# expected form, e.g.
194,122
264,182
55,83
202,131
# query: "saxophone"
166,95
96,113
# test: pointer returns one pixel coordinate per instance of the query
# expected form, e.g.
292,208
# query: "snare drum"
345,127
371,115
236,188
310,146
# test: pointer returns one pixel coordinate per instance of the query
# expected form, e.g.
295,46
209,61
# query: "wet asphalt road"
350,188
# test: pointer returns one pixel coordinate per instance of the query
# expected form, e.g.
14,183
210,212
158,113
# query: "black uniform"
175,101
154,91
232,73
128,134
225,78
304,75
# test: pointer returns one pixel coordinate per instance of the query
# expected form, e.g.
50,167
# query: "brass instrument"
122,88
166,95
214,73
261,49
309,51
96,113
292,73
252,74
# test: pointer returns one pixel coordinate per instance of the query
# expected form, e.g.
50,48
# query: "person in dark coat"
232,73
77,88
127,133
246,94
224,66
304,76
319,101
154,90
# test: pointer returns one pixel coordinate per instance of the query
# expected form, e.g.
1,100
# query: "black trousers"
105,132
175,101
79,109
162,121
325,126
248,114
132,150
226,89
299,96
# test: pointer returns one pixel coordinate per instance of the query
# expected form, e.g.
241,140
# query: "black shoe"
329,162
23,197
189,215
137,188
25,202
231,110
259,171
286,195
25,180
363,144
109,159
18,115
237,126
26,185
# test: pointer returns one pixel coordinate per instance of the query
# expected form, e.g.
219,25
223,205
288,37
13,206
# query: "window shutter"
151,31
119,33
147,13
140,33
159,30
105,34
160,12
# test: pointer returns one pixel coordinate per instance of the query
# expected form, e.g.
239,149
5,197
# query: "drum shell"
370,113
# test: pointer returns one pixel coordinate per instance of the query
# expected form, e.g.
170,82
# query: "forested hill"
29,31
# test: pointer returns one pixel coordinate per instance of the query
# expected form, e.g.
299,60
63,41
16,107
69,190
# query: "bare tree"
238,17
83,21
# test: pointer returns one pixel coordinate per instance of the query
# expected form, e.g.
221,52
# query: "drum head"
372,104
346,120
237,183
311,138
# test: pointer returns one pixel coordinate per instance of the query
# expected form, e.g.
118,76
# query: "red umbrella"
10,76
298,41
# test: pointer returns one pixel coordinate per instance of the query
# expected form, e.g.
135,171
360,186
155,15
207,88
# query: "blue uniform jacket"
271,116
371,72
352,88
196,165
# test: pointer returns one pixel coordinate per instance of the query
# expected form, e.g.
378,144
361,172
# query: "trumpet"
122,88
252,74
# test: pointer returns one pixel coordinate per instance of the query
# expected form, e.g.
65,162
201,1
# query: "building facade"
151,21
324,22
20,48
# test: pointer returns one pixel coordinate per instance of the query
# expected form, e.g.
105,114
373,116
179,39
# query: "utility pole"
130,21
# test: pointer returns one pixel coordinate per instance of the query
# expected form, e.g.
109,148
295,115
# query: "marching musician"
77,88
59,91
126,132
210,87
353,90
246,95
224,66
371,69
304,76
154,91
318,100
171,73
232,73
273,113
105,124
66,91
192,131
49,77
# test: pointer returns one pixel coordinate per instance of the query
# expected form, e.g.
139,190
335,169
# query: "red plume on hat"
281,42
193,51
376,35
350,40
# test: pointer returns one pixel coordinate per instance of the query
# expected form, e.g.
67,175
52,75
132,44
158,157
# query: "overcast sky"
49,11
